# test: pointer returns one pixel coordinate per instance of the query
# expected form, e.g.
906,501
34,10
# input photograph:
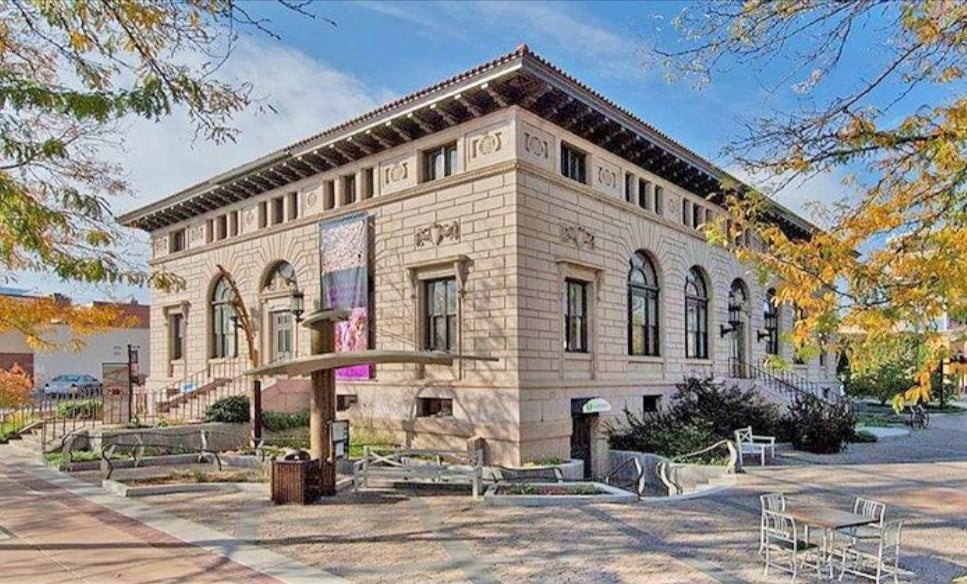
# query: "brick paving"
403,537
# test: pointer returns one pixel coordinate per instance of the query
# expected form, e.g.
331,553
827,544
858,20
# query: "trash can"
295,479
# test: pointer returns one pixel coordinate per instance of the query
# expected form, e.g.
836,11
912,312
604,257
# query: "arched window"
696,315
224,332
770,313
280,277
642,306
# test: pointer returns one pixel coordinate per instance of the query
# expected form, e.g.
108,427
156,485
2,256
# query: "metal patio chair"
867,508
769,502
781,538
876,558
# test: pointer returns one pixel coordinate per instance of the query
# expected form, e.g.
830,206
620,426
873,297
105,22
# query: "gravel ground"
426,537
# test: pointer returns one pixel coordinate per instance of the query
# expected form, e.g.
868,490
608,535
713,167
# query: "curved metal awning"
306,365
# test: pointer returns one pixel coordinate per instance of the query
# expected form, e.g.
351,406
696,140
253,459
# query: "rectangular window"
176,330
328,194
644,194
434,407
345,401
659,199
221,227
686,211
293,205
278,210
233,224
698,216
709,217
573,163
630,187
369,184
440,310
349,189
263,214
209,231
176,241
649,403
575,316
440,162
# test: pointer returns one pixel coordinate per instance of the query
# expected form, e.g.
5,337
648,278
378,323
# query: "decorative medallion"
249,216
159,246
397,172
577,236
536,145
435,234
197,233
607,177
311,199
486,144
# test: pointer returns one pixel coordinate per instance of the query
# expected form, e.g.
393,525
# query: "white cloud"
159,158
801,196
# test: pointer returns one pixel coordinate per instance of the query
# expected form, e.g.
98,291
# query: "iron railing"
779,382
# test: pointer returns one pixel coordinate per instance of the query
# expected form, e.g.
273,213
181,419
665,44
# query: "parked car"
69,385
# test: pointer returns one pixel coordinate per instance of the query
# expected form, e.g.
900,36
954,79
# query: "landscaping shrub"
279,421
230,410
820,427
84,409
700,414
864,436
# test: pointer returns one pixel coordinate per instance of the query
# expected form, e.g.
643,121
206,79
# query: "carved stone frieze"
486,144
577,236
436,233
536,145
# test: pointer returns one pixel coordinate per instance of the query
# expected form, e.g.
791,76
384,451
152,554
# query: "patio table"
829,520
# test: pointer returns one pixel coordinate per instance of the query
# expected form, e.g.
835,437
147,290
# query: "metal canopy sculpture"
322,365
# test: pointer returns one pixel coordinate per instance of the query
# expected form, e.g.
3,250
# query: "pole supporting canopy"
306,365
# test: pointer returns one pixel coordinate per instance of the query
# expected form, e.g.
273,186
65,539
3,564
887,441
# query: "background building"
512,212
108,346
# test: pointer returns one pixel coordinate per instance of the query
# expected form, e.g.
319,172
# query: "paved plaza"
425,537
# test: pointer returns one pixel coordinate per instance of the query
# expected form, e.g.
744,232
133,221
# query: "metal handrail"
783,381
663,466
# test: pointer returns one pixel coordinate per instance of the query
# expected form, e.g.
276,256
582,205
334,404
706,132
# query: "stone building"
513,212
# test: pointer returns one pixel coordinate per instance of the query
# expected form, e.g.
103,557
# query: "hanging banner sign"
344,270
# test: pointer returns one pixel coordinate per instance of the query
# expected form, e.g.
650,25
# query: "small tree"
15,387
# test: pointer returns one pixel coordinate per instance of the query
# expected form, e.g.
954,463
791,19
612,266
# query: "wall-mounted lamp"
297,304
731,328
762,335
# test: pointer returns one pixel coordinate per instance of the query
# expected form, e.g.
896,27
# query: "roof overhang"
306,365
520,78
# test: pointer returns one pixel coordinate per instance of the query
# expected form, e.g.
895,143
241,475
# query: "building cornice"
520,78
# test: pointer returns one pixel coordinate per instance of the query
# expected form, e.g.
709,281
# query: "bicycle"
919,418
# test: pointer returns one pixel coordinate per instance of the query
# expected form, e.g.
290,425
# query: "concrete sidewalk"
54,528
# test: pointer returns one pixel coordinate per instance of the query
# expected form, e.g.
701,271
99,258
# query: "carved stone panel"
159,246
437,233
577,236
606,178
535,146
395,175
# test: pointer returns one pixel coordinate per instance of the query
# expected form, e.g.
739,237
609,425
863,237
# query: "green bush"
279,422
85,409
864,437
700,414
230,410
820,427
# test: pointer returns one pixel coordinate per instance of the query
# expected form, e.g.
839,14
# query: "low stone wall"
221,437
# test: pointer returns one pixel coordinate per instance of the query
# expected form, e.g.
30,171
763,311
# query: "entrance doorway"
581,439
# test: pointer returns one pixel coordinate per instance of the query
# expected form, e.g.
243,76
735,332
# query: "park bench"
419,466
749,443
153,443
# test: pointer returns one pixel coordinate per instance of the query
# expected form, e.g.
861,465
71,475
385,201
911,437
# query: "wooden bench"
147,439
420,466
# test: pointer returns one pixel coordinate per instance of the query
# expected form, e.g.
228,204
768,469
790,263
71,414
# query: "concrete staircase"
48,435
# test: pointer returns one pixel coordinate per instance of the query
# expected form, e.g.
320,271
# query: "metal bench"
419,466
139,449
529,475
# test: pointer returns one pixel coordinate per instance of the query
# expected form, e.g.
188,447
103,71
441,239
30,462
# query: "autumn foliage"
15,387
36,318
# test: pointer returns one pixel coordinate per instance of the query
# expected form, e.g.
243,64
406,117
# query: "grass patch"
193,476
549,490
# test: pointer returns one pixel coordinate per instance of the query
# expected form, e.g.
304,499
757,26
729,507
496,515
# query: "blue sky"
318,75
